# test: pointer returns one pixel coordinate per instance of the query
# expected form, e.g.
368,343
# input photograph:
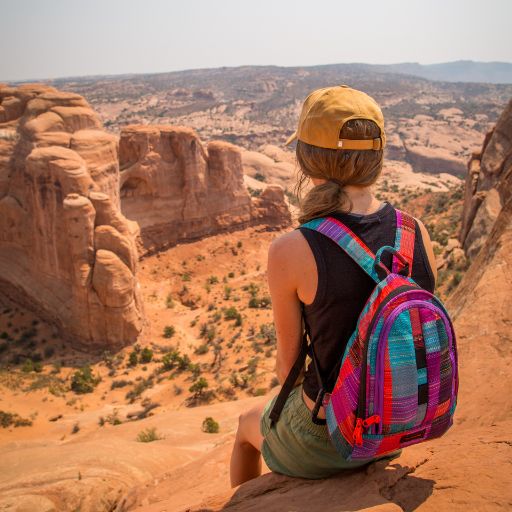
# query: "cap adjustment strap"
374,144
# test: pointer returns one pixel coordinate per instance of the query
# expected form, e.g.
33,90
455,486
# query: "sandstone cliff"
177,190
66,251
488,185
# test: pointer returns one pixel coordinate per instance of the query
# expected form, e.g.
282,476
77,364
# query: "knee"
242,419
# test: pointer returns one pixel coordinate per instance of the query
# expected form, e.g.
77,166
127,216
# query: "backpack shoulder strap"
404,239
342,235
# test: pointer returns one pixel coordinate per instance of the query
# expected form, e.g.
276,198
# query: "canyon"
66,249
139,254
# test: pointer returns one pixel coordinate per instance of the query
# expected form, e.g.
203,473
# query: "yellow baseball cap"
326,110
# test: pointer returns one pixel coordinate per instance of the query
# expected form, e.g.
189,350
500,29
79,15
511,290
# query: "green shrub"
231,313
252,365
148,435
84,381
8,419
201,349
174,360
120,384
133,359
146,355
207,331
198,387
210,426
31,366
169,331
169,302
260,302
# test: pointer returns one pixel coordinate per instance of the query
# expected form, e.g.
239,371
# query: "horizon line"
70,77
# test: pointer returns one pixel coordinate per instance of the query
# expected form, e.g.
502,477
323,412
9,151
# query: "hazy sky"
54,38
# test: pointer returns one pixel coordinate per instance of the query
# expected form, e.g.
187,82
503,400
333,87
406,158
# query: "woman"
340,141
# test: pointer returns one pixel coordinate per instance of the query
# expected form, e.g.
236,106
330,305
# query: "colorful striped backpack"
398,380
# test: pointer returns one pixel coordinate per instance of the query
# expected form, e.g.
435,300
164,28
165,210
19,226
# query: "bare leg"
246,456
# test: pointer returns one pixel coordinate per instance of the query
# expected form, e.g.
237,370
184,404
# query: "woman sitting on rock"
340,141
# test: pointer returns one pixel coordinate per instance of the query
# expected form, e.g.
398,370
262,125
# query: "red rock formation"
488,185
178,191
65,250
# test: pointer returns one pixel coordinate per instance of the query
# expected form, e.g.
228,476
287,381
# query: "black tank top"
344,287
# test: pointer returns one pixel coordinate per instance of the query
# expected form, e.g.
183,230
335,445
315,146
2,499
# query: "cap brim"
291,139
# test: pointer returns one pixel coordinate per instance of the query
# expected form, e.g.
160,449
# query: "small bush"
169,331
201,349
148,435
198,387
133,359
120,384
210,426
169,302
260,302
231,313
31,366
84,381
252,365
173,360
8,419
207,331
146,355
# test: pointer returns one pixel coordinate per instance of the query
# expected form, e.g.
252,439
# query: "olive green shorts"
295,446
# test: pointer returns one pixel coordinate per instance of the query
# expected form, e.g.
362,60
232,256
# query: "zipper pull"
358,432
372,420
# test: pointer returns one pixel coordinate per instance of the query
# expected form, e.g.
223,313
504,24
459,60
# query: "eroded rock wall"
66,251
177,190
488,185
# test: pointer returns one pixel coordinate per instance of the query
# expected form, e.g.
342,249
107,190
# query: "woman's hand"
282,283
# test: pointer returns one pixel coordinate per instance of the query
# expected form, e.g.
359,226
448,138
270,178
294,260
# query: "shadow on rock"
377,487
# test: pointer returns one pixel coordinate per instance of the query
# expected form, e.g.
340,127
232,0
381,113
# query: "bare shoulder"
287,244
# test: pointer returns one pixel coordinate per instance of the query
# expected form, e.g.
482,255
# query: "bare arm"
285,303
